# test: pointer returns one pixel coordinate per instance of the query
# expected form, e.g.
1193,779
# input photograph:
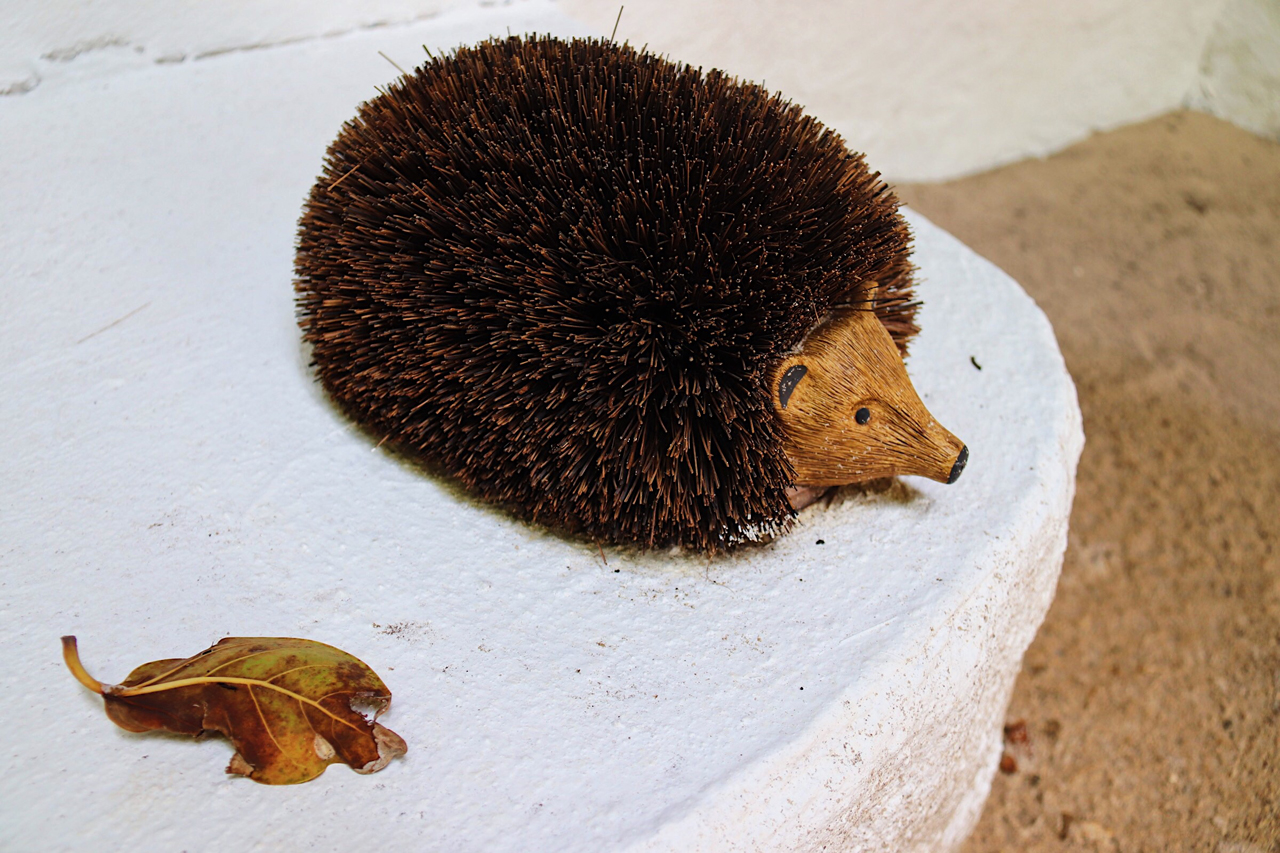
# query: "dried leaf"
285,704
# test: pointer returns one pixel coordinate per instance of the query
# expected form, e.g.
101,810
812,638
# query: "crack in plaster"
64,55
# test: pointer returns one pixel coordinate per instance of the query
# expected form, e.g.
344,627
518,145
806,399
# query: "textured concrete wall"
932,89
1240,69
929,89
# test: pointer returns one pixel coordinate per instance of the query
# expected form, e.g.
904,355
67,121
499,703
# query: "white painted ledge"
172,475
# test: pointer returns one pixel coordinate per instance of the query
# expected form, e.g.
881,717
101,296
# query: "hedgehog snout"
958,467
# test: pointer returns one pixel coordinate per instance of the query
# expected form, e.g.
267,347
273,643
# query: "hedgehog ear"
787,382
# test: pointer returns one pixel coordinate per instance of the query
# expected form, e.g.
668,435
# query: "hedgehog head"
565,273
850,413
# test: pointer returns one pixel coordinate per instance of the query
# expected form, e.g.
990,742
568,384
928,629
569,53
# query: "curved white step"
173,475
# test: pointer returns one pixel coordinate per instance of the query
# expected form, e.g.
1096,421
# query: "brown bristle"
561,271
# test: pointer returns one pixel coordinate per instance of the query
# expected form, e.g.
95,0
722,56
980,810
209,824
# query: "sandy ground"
1151,697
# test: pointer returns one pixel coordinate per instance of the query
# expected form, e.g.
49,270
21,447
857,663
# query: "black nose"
958,468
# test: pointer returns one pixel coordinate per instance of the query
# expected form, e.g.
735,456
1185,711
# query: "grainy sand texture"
1151,697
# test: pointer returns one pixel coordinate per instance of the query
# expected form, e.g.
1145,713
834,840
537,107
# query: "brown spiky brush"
562,271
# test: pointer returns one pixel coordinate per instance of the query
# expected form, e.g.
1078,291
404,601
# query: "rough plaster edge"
901,803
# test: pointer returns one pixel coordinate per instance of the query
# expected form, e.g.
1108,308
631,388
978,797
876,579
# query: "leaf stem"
71,655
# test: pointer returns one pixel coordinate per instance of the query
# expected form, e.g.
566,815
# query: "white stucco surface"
1239,77
47,41
931,90
173,475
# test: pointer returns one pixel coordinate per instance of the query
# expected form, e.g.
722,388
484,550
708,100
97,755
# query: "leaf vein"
265,724
226,664
125,692
191,661
297,668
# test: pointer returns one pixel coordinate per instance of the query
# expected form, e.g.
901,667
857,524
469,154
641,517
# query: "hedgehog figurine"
622,298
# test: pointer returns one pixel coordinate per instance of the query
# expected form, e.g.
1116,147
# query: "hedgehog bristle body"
559,271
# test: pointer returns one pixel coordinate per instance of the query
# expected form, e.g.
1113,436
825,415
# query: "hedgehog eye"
862,415
790,378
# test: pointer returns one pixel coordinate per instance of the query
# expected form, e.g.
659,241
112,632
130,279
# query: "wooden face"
850,413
